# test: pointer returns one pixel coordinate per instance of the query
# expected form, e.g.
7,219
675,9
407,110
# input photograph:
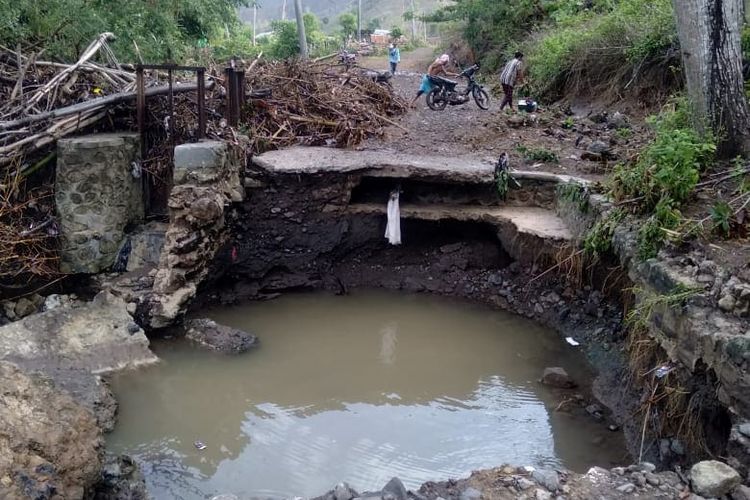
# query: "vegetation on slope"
153,30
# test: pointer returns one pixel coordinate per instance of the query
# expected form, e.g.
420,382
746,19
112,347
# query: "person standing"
512,73
394,57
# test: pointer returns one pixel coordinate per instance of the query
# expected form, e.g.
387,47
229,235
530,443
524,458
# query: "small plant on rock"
598,241
538,154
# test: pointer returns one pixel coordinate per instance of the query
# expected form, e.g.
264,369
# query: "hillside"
387,12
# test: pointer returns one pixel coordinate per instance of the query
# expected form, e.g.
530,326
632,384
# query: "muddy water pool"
359,389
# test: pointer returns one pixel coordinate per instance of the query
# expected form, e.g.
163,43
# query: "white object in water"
572,341
393,228
200,445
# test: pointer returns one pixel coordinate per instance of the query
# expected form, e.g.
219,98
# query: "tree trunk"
300,29
709,32
283,11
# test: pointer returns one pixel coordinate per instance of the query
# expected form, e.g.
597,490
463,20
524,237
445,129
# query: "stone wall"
98,192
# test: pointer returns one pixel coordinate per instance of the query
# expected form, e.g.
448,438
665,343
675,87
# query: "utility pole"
359,20
413,22
300,29
255,21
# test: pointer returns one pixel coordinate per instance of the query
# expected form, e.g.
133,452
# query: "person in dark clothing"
512,73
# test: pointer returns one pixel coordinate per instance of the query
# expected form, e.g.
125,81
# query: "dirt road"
467,131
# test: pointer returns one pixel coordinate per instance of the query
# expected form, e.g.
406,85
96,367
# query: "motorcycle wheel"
481,97
435,100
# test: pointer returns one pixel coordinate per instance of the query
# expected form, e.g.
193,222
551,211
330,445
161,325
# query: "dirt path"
467,131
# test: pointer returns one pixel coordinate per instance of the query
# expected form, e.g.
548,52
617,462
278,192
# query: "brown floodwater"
358,388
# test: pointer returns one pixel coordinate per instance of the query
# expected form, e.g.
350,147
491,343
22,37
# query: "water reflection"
356,388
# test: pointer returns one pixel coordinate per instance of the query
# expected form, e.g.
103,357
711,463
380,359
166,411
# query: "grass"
538,154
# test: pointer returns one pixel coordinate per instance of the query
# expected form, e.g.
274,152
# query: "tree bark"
300,29
709,32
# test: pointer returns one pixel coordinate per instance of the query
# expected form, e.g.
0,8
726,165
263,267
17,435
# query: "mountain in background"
387,12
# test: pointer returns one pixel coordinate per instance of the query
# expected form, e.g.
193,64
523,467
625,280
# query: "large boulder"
712,478
51,446
219,337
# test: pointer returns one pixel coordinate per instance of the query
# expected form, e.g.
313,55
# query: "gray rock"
343,491
557,377
24,307
727,303
626,488
121,480
396,488
219,337
541,494
711,478
524,484
471,494
618,121
52,447
744,429
741,492
225,496
547,478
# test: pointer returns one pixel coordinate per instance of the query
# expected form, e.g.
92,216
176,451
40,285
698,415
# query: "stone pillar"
206,179
98,192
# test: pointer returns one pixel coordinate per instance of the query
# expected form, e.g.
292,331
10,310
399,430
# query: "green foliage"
538,154
653,234
285,40
575,193
721,216
568,123
348,23
396,32
670,166
161,29
624,133
598,240
373,24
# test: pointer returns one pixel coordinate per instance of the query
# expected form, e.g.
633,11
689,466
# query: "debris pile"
43,101
309,103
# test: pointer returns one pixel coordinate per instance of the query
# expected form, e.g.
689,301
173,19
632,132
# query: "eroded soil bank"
305,232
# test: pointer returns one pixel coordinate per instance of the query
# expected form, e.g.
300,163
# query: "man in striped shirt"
512,73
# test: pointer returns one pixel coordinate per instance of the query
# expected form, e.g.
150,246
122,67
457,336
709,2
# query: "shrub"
669,168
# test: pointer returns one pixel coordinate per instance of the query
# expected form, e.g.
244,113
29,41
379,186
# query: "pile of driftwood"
313,103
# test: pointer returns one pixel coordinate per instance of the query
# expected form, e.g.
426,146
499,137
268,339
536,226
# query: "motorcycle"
348,59
444,91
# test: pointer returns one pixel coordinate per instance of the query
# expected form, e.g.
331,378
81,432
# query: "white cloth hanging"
393,228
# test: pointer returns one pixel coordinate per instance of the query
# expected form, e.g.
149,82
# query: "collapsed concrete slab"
98,337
